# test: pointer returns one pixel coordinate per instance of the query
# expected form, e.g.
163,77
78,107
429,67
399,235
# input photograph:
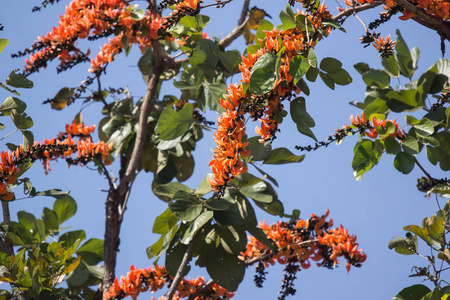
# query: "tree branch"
349,10
7,245
181,269
201,290
116,197
237,31
437,24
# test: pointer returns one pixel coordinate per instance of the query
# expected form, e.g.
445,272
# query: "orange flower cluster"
87,149
372,128
8,174
61,147
187,4
437,8
227,163
228,138
99,16
306,240
154,279
384,46
77,129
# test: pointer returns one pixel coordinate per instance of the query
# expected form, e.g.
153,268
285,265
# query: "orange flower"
307,239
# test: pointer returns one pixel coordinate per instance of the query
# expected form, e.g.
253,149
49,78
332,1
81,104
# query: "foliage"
159,133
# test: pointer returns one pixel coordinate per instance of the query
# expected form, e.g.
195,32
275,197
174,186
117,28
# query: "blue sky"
375,209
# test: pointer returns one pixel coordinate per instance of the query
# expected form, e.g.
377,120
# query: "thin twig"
110,180
201,290
349,11
181,269
423,170
223,3
17,129
100,94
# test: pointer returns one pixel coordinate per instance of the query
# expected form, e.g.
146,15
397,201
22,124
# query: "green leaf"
303,120
403,56
172,124
169,189
3,44
403,246
304,24
312,58
12,103
361,68
239,213
403,100
18,80
422,233
28,138
444,149
92,251
287,20
341,77
138,14
404,162
263,74
312,73
204,187
211,51
390,65
226,269
230,60
174,256
164,222
424,128
330,65
70,238
21,120
414,292
270,178
298,67
210,95
78,277
283,156
366,155
391,145
258,151
436,232
327,80
246,179
415,54
27,220
433,155
96,270
195,226
376,78
260,192
217,204
303,86
51,220
410,145
55,193
377,106
275,208
64,208
232,239
185,206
